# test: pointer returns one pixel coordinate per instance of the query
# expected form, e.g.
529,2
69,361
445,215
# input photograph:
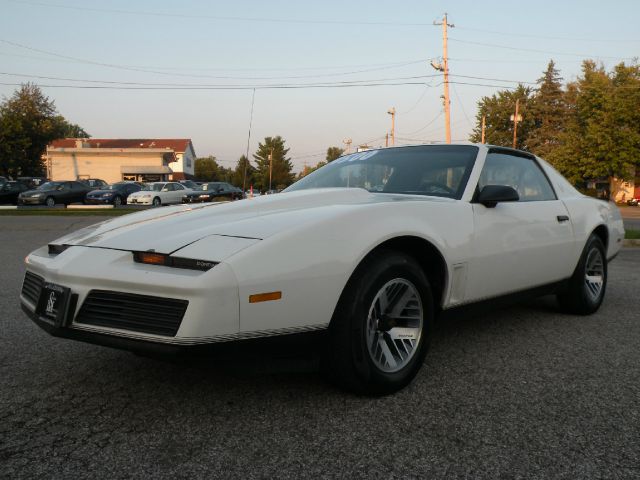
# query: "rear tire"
585,291
379,333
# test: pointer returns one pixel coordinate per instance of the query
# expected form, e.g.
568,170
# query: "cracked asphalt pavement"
524,392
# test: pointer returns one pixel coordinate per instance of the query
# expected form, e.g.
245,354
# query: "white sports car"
369,250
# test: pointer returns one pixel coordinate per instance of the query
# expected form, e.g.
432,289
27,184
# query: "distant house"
113,160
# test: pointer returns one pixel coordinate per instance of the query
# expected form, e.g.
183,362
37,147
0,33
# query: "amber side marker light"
153,258
265,297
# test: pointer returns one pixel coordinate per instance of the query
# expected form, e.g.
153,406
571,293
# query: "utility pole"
270,167
347,142
484,120
392,112
444,68
515,119
386,139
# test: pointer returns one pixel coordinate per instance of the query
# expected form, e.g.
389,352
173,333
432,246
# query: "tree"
498,110
207,169
601,138
549,111
333,153
28,123
281,175
72,130
239,179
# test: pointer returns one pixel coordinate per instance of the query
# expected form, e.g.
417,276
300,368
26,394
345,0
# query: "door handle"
562,218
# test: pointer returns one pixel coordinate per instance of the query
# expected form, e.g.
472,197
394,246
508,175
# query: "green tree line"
588,129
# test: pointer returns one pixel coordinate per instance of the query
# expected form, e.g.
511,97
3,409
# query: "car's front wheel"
586,288
157,202
50,202
117,201
379,333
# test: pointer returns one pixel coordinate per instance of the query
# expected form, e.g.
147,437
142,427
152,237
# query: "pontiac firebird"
370,249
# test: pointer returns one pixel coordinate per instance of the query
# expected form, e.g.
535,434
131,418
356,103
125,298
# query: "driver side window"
521,173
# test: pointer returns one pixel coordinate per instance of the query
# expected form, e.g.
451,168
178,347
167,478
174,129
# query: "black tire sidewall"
382,268
590,304
117,201
156,202
46,202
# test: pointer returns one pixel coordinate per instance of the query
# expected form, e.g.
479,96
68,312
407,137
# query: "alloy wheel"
394,325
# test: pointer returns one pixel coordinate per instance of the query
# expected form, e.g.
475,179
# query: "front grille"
32,286
128,311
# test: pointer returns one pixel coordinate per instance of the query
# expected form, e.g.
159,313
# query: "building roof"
178,145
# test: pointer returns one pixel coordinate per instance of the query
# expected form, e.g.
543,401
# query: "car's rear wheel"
586,288
157,202
379,333
117,201
50,202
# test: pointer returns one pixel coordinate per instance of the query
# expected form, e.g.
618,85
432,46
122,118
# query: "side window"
521,173
177,186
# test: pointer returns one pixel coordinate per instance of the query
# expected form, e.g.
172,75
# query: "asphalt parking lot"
524,392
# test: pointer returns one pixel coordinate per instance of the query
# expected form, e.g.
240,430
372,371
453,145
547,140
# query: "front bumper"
98,201
140,201
212,314
31,201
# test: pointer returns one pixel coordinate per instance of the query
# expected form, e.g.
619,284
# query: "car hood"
168,229
37,190
102,192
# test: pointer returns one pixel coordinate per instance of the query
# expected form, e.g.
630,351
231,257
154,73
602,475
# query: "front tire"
117,202
379,333
157,202
587,286
50,202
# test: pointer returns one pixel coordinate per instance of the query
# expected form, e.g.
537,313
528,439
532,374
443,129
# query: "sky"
187,69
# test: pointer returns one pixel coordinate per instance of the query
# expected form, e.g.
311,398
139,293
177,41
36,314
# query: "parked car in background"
396,238
52,193
94,182
10,190
115,194
188,184
633,201
32,182
208,192
158,193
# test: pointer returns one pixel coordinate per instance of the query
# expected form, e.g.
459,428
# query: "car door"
78,192
63,193
178,191
523,244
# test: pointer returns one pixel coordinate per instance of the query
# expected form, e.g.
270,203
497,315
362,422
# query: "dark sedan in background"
10,190
52,193
115,194
208,192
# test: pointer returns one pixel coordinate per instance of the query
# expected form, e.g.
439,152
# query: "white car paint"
168,193
306,244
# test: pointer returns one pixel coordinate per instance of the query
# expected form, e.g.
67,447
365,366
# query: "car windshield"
49,186
152,187
435,170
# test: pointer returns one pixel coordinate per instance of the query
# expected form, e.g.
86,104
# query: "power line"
219,77
193,85
220,17
236,87
508,47
424,126
548,37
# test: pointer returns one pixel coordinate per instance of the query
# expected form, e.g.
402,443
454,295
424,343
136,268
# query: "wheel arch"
428,256
602,232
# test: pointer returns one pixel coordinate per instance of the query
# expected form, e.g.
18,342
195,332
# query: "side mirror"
491,195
